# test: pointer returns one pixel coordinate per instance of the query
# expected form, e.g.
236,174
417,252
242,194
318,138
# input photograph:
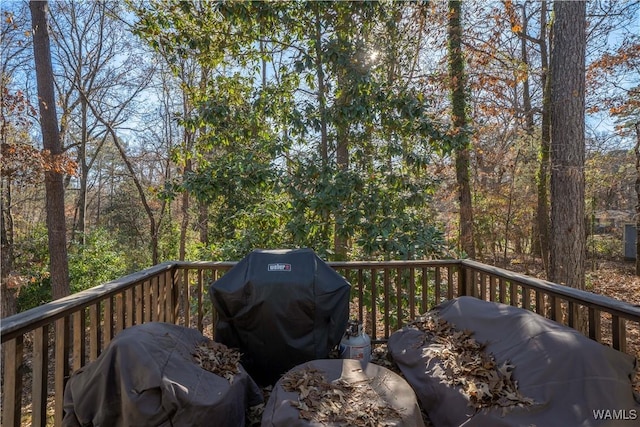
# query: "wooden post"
61,366
618,334
462,280
40,376
12,393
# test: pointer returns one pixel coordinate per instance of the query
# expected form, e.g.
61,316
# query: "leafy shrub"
36,292
96,261
604,246
32,260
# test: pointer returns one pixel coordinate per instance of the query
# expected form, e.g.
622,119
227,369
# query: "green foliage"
35,293
169,240
403,224
259,225
305,137
99,260
385,213
33,251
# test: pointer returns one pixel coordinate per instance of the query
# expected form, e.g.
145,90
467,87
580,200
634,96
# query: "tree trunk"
6,251
342,126
340,240
457,80
637,150
322,110
56,225
322,103
568,239
184,209
203,223
541,235
84,174
187,141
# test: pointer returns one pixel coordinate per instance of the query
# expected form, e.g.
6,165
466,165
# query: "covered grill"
280,308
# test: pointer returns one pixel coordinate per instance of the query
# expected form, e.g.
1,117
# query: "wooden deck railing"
43,346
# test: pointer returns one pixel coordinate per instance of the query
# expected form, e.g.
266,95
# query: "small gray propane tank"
355,343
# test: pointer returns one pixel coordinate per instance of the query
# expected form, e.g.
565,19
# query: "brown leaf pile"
217,358
467,365
338,402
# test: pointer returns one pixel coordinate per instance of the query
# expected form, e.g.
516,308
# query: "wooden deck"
43,346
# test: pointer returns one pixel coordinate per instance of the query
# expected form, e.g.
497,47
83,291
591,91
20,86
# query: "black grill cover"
281,308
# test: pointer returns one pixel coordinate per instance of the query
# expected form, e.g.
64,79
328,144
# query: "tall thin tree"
457,80
52,145
542,207
568,238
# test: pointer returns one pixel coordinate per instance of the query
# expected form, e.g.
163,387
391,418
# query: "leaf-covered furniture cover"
572,380
347,392
147,376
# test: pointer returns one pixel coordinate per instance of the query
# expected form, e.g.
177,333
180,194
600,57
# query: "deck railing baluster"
595,327
526,298
139,303
438,286
618,333
540,302
40,375
387,306
513,294
502,290
119,313
373,304
412,293
492,287
128,308
61,372
449,282
148,305
200,293
95,328
425,290
79,331
399,297
572,313
108,320
12,393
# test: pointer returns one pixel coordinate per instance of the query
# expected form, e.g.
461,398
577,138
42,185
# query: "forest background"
201,130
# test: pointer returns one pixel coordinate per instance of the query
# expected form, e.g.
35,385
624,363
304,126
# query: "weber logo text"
279,267
615,414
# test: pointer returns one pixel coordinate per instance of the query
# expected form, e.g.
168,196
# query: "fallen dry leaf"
217,358
467,366
338,402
